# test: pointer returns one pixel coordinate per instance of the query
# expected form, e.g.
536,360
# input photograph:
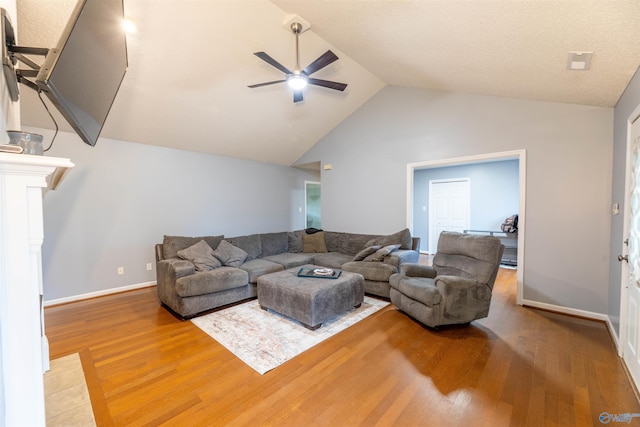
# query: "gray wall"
629,100
494,195
568,195
121,198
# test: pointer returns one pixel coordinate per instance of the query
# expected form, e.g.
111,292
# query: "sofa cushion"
314,243
229,254
201,255
294,240
274,243
289,260
374,271
366,252
172,244
251,244
207,282
331,259
403,237
352,243
259,267
332,240
380,254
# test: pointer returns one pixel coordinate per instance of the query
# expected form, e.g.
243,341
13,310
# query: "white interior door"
630,318
449,206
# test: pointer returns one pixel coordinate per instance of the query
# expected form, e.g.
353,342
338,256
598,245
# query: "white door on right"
449,206
631,274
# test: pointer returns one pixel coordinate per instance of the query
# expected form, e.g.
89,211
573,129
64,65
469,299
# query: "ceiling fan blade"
267,83
323,60
297,95
327,83
269,60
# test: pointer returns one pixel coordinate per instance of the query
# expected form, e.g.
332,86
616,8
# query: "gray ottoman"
310,300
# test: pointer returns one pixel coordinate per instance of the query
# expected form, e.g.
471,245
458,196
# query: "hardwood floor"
518,367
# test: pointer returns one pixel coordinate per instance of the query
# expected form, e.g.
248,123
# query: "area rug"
265,339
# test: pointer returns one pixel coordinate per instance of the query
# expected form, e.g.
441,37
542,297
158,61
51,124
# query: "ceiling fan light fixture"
297,81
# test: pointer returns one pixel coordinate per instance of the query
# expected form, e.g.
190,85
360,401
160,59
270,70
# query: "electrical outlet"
120,271
149,266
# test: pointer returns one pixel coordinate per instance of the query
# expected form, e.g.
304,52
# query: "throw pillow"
314,243
201,255
381,253
251,244
403,237
366,252
230,255
172,244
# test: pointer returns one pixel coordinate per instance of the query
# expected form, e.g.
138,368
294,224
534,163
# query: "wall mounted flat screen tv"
83,74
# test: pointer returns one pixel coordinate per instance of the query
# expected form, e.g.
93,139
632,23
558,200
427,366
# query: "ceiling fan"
298,79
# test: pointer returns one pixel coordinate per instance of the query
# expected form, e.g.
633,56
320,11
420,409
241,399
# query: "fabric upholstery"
378,272
229,254
274,243
258,255
294,240
331,259
310,300
202,283
352,243
259,267
381,253
365,252
201,255
457,288
402,237
251,244
331,239
172,244
289,260
314,243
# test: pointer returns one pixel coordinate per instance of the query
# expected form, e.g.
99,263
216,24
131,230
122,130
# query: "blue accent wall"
494,194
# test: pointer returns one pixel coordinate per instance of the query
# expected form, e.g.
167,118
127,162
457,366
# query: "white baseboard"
97,294
566,310
614,336
580,313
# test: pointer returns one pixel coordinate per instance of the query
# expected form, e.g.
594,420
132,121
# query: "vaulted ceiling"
190,62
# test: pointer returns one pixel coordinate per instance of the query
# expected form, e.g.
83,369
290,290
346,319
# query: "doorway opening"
520,156
312,204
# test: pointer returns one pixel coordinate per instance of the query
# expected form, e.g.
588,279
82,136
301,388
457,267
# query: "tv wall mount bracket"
12,54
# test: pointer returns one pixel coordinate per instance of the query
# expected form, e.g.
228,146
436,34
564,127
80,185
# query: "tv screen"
82,75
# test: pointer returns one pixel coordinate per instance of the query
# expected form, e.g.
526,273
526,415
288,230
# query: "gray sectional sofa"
194,277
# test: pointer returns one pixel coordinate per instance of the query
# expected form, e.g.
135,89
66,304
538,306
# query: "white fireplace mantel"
23,344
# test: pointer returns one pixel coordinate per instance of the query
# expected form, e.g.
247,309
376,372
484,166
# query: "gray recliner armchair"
457,288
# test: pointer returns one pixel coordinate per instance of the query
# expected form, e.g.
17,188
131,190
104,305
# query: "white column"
23,343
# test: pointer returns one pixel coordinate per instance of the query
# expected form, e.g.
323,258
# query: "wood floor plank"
518,367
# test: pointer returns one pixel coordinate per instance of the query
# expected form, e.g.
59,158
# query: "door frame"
624,274
467,180
305,200
521,156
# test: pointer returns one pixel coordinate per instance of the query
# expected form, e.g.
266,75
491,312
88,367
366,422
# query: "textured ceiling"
191,61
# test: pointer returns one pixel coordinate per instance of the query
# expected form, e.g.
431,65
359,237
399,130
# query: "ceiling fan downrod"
297,80
297,28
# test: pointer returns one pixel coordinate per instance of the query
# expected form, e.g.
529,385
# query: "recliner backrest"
471,256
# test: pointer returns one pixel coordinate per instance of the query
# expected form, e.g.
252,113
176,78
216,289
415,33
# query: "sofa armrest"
463,300
417,270
402,256
159,252
415,243
173,269
462,289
